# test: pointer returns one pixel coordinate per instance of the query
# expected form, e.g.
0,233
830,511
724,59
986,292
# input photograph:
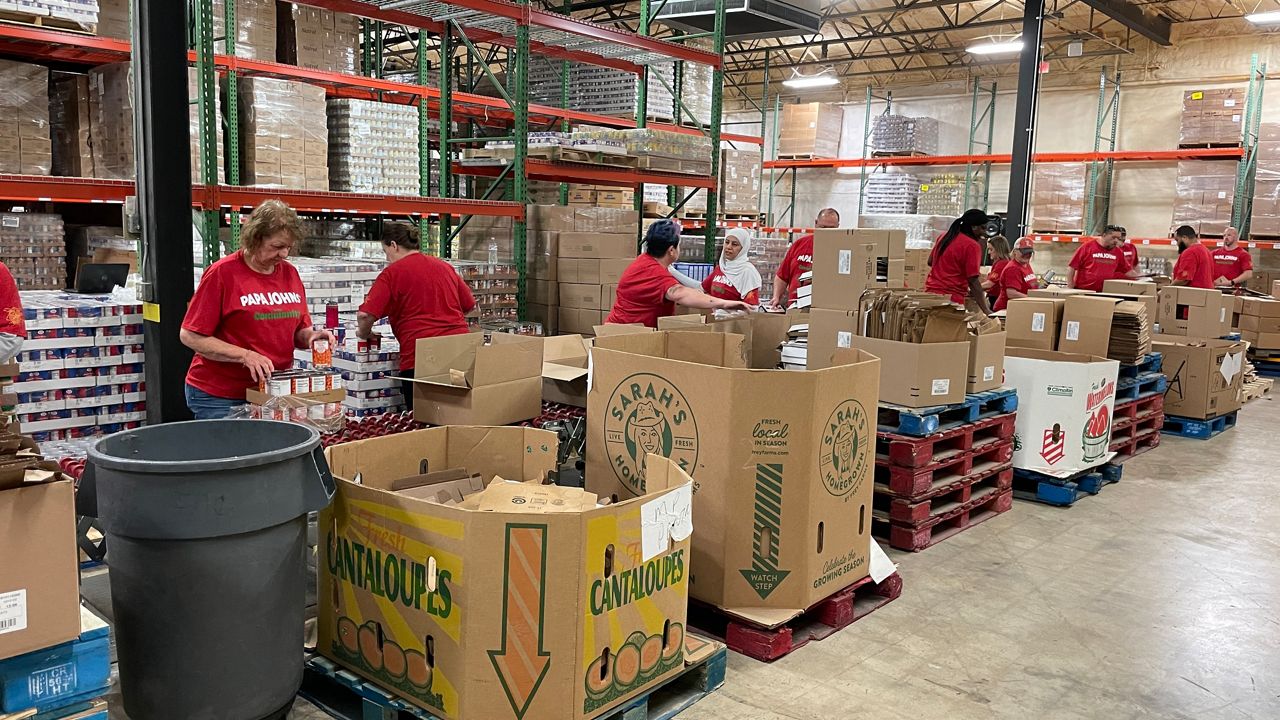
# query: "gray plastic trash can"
206,526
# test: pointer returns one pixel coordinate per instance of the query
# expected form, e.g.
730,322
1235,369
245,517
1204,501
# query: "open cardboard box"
1195,312
529,602
1204,375
782,461
564,369
1033,322
462,380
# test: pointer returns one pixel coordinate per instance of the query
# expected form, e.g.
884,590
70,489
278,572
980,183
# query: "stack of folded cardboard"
1105,327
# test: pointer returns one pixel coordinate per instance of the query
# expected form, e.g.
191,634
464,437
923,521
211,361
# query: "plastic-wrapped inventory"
340,239
25,147
1212,117
333,281
69,125
646,141
113,19
696,93
1058,197
921,229
904,135
810,130
283,134
33,246
944,194
83,13
693,247
321,39
739,181
255,31
373,147
890,193
1265,220
601,90
1204,194
111,123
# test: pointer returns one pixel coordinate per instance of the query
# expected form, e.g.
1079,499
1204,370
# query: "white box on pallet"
1065,403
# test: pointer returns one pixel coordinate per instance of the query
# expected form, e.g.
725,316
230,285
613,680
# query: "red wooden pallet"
916,483
921,510
823,619
1134,409
940,527
918,452
1135,447
1124,435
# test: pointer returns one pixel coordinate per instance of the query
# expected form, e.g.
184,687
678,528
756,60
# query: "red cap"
1025,243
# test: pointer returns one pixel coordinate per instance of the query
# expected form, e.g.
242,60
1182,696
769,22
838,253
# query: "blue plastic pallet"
1198,429
89,710
1142,385
919,422
1030,485
1151,362
52,679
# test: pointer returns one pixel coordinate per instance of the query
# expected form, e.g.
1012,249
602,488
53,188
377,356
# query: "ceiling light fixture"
812,81
996,47
1264,18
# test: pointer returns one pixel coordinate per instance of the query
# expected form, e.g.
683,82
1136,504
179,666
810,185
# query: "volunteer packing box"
39,576
1033,322
1204,375
520,601
564,369
462,380
1106,327
837,248
1065,402
844,267
782,514
1194,311
1260,322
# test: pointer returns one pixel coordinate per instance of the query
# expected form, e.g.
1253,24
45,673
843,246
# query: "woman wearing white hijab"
735,278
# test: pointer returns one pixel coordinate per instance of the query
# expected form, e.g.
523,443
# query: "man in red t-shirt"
647,290
247,315
422,296
1195,263
1129,249
799,260
1016,277
1097,261
1232,263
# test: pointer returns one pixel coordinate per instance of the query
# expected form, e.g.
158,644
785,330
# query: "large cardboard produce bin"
524,609
1065,403
781,460
1204,375
39,578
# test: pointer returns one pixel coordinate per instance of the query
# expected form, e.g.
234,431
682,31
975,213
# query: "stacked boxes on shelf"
341,239
574,258
33,247
944,194
904,135
1265,220
494,286
603,90
1204,195
111,116
283,135
373,147
696,94
80,12
255,31
810,130
316,38
740,181
766,254
368,375
1058,197
1212,117
487,239
25,146
891,193
69,122
113,19
82,366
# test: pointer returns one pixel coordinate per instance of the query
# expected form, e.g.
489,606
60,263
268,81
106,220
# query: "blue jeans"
209,407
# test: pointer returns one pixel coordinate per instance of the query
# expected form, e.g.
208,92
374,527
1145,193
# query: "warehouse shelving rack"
1246,171
1105,137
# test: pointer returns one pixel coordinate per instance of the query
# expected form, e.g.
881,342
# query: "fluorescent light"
811,82
1264,18
995,47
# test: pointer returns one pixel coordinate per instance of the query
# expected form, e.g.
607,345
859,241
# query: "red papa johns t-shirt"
1130,253
1195,265
717,285
993,277
642,293
798,261
1095,265
243,307
423,297
12,320
950,272
1230,264
1020,278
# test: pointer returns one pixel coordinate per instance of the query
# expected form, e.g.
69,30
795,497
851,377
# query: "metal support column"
982,115
764,107
717,106
519,69
446,126
1246,171
566,8
231,136
864,177
164,196
206,102
1024,118
642,107
1097,208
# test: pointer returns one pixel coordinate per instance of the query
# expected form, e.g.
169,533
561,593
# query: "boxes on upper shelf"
25,145
254,35
1204,195
283,134
1212,117
69,123
811,129
313,37
1059,194
739,181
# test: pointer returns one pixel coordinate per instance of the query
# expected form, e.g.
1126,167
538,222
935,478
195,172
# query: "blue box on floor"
61,675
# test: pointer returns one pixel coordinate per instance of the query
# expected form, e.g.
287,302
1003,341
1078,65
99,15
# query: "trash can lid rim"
233,462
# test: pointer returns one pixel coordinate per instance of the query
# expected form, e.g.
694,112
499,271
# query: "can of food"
375,343
331,315
335,381
321,353
280,386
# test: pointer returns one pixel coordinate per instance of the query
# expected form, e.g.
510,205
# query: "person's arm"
978,295
364,325
260,368
687,281
1180,283
1133,274
779,287
1071,277
1012,294
689,297
1243,277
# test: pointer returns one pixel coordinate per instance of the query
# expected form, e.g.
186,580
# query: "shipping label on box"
1065,403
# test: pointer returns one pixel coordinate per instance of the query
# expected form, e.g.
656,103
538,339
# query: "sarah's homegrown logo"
844,452
646,415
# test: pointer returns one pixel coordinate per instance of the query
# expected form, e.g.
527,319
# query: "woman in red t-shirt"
647,290
248,314
734,277
956,260
998,252
1017,278
422,296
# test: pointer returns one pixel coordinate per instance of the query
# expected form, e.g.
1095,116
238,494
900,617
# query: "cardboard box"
1086,325
1033,322
592,271
1257,324
564,370
460,380
782,513
39,578
1130,287
843,268
830,330
1259,307
919,374
597,245
533,605
580,320
1195,312
1065,403
1261,340
915,268
542,292
1204,375
986,362
583,297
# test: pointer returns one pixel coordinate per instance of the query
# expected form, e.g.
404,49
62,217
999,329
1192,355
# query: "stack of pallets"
1139,410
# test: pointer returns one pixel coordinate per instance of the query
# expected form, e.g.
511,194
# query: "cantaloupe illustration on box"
534,604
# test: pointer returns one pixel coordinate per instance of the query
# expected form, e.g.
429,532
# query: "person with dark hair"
248,314
1127,248
422,296
799,260
998,251
1098,261
1232,263
956,259
647,290
1195,263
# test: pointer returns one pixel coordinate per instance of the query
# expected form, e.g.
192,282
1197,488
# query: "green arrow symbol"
521,663
764,575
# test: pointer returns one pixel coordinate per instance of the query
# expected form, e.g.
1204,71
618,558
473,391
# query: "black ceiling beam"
880,35
1155,28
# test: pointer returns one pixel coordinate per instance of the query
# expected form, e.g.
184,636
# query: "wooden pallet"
906,153
928,420
1205,146
921,508
1151,362
1123,433
917,483
802,156
1146,384
1063,492
1132,448
968,507
914,452
673,165
823,619
13,17
1254,389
